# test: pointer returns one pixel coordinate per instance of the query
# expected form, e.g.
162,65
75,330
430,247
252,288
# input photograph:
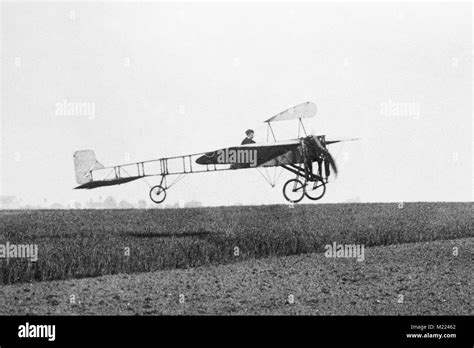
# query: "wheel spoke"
293,190
315,189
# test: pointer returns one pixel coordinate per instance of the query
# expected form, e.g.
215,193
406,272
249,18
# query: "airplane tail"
84,162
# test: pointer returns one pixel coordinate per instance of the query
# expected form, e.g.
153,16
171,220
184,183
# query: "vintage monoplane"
296,156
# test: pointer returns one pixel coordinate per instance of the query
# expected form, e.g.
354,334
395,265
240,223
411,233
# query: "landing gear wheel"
293,190
315,189
157,194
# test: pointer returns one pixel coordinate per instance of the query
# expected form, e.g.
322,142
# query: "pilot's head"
249,133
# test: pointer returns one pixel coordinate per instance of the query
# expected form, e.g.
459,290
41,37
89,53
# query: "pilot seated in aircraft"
248,138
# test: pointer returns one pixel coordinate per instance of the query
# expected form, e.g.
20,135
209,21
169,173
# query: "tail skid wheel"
158,194
293,190
315,189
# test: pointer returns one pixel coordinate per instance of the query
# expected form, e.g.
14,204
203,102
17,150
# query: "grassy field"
89,243
430,278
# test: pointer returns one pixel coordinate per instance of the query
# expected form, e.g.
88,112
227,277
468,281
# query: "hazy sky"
167,79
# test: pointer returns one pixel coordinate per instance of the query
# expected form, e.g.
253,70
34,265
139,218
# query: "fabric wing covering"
305,110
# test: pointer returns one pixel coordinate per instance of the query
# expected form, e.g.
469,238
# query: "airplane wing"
254,155
304,110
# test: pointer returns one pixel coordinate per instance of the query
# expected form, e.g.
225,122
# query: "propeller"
329,142
327,154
